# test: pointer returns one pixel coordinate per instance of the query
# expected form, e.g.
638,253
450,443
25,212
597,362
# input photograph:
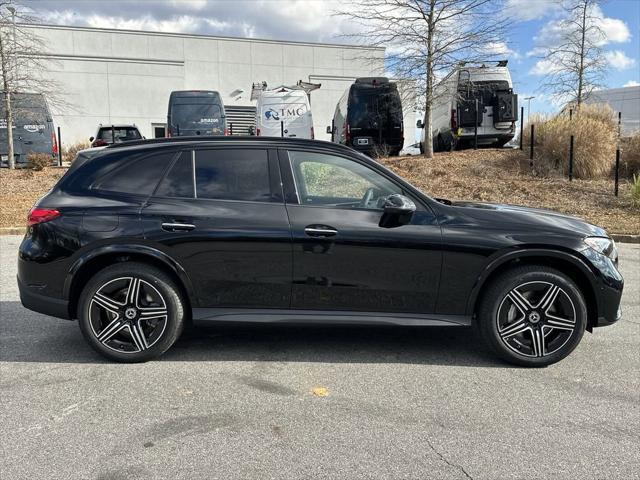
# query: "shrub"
381,151
634,190
69,152
38,161
594,133
630,155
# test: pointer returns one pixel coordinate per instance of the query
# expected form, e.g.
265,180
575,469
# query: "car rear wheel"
532,316
131,312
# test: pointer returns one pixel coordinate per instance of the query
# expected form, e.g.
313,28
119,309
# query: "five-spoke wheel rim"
128,315
536,319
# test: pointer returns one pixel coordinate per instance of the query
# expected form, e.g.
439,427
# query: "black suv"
138,239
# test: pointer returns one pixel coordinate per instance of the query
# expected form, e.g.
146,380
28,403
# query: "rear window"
370,107
125,134
188,116
233,175
136,176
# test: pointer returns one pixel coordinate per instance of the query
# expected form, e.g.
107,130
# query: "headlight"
603,245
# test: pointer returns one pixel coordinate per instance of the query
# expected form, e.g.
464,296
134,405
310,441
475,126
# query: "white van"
453,109
284,112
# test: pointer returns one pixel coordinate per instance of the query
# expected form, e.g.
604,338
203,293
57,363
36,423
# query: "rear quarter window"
135,175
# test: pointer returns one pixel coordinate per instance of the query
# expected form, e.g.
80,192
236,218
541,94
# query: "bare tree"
575,60
426,39
22,66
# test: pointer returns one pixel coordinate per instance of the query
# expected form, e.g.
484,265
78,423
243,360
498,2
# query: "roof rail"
208,138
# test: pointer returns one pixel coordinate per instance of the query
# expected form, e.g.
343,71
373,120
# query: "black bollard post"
571,158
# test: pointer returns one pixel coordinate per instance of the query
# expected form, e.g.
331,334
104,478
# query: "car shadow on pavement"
457,346
26,336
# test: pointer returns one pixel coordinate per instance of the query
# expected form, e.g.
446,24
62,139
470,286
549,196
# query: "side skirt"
203,315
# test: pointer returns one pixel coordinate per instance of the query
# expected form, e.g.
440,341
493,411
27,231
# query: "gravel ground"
240,403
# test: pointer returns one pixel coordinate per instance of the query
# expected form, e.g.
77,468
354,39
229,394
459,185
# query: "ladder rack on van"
307,87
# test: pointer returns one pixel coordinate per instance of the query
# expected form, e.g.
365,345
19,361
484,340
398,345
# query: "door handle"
178,227
320,231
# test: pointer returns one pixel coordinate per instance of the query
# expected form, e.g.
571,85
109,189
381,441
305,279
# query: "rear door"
220,213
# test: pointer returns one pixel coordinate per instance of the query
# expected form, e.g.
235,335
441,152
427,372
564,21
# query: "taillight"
54,144
454,123
257,132
168,132
226,132
347,133
312,134
41,215
98,143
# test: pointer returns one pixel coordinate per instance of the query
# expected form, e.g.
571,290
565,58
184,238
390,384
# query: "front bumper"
37,302
608,288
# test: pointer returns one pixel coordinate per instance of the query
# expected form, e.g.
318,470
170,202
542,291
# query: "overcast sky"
312,20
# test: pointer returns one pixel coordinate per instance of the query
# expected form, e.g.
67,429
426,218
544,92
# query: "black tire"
158,316
438,144
508,326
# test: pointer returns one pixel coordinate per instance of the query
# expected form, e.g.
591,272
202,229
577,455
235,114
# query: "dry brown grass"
630,155
594,132
503,176
69,152
39,161
19,190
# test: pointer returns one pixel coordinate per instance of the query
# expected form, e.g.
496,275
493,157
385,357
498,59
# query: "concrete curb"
618,237
12,230
625,238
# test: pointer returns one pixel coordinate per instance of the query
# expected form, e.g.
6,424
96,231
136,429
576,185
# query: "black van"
196,112
368,117
33,130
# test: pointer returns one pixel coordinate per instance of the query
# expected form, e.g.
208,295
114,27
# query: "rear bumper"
486,138
37,302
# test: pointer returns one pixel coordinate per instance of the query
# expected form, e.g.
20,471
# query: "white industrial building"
625,100
119,76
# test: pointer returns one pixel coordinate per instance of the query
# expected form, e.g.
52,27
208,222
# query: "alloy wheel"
128,315
536,319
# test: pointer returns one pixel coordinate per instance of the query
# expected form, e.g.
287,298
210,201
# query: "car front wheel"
131,312
532,316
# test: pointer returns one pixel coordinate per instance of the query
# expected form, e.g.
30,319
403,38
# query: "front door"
219,212
342,258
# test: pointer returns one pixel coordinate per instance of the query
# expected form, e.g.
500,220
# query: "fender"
135,249
496,263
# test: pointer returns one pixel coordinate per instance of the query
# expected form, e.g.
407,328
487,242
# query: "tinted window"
188,116
338,182
179,180
372,107
136,175
123,134
233,175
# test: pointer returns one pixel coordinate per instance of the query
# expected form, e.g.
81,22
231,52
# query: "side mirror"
398,210
419,124
329,130
397,204
91,139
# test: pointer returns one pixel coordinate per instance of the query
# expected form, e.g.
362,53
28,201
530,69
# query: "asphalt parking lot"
240,403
